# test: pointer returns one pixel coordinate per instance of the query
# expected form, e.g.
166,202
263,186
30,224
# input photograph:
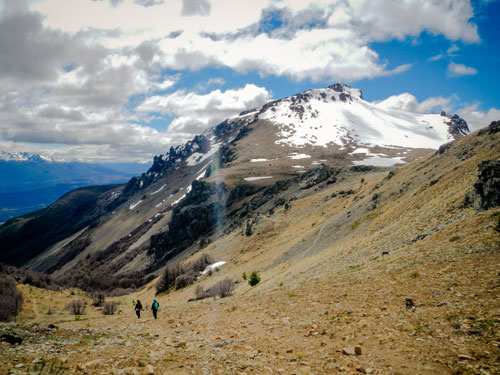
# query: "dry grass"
325,285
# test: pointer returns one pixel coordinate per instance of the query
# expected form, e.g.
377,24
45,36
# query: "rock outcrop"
486,193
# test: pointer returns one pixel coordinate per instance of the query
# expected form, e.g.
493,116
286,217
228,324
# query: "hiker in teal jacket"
154,307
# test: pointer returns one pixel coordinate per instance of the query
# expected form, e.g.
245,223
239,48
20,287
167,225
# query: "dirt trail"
311,328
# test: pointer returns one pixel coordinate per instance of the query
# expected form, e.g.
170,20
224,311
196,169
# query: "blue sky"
122,80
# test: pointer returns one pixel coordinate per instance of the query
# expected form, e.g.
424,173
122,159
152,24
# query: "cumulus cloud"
386,19
472,114
301,40
196,112
460,70
408,102
30,52
476,118
73,72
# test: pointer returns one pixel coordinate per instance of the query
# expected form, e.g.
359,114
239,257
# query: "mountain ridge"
245,162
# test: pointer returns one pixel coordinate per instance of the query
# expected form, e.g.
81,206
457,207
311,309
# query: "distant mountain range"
30,182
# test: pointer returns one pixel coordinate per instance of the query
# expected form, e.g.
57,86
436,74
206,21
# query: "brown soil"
411,284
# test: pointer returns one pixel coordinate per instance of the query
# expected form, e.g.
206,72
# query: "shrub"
223,288
496,226
109,308
184,280
11,298
97,298
76,307
244,276
200,293
186,273
254,279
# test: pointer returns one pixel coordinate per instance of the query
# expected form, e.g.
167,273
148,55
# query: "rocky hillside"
363,270
226,179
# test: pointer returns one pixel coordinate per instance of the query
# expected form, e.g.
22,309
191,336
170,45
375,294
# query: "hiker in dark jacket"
154,307
138,308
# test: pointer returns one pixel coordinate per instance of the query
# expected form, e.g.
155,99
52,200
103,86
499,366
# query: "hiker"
138,308
154,307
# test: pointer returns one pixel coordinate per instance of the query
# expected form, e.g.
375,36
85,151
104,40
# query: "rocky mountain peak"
456,125
345,89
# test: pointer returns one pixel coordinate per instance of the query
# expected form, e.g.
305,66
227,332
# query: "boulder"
486,193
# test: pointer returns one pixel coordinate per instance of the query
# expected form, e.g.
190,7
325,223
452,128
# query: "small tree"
200,292
496,226
76,307
184,280
98,298
254,278
11,298
109,308
224,288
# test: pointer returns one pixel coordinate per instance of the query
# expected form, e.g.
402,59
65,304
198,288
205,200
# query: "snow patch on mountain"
157,191
295,156
134,205
380,161
178,200
257,178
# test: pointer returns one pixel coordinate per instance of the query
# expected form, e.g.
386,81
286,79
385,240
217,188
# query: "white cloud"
408,102
217,81
453,48
477,119
196,112
72,71
386,19
221,33
472,114
436,57
460,70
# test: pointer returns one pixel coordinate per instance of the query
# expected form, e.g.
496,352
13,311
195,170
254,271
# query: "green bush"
496,226
254,279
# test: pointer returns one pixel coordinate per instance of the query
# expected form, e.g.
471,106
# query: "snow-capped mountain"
333,125
234,168
27,156
339,115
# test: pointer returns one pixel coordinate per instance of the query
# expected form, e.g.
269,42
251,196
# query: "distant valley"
30,182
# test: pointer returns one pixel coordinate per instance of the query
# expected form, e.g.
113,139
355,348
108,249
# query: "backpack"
156,305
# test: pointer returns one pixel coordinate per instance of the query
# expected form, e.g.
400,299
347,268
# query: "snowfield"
322,117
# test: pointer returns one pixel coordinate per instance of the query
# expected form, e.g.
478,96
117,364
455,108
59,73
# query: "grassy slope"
325,285
24,237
